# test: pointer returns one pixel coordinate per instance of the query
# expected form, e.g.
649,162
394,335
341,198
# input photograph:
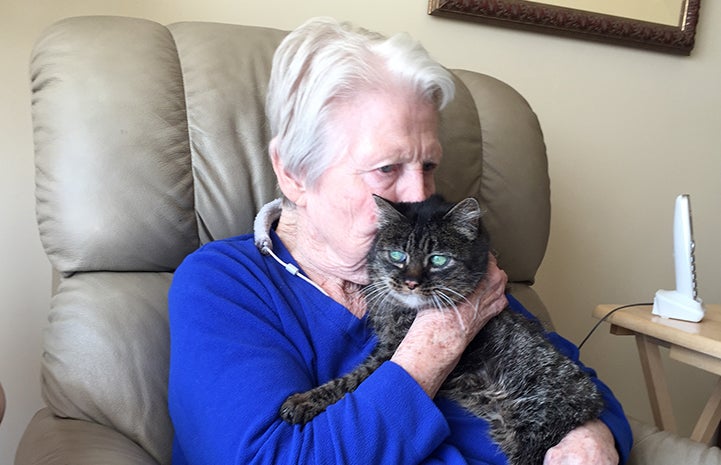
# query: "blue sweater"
245,334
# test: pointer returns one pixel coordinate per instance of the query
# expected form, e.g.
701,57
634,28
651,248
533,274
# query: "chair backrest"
151,140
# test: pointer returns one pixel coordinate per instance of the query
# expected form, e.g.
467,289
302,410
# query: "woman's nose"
414,187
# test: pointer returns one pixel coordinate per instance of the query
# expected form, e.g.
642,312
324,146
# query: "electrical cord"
605,317
290,268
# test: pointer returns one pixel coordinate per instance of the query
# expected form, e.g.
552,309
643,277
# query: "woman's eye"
387,169
396,256
429,166
439,260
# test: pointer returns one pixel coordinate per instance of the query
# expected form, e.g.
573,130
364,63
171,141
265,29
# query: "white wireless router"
682,303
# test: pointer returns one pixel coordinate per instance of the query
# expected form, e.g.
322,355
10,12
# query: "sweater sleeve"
235,357
613,415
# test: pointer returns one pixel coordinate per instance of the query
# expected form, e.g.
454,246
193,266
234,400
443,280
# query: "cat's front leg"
302,407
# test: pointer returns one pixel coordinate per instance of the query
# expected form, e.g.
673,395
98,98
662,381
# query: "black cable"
605,317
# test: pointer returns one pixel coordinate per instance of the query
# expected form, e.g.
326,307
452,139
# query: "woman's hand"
589,443
487,301
436,340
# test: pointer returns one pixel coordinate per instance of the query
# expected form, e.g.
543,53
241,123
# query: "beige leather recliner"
150,141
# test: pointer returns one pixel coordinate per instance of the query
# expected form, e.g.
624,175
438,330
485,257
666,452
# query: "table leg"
656,385
710,417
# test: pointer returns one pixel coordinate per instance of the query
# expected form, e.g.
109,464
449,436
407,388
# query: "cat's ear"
387,213
466,217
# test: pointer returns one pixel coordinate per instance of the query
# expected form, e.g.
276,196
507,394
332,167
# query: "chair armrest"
49,440
654,447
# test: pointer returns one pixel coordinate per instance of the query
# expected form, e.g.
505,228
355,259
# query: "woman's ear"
291,187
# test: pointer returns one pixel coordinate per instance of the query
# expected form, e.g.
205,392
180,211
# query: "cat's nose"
410,284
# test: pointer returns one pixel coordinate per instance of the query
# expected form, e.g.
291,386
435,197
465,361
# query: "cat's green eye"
397,256
439,260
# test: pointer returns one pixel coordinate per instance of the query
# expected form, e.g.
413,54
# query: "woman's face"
385,144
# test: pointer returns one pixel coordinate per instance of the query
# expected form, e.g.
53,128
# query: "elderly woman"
351,114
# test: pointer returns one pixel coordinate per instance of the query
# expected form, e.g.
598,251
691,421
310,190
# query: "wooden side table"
696,344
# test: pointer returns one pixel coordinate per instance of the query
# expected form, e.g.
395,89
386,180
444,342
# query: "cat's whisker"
441,296
373,293
380,295
455,293
438,302
451,305
458,297
376,291
460,318
465,299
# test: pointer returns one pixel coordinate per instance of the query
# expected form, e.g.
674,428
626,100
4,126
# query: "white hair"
324,62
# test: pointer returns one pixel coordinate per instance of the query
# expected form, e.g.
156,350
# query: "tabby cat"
432,254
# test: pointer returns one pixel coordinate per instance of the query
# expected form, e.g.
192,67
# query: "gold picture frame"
562,17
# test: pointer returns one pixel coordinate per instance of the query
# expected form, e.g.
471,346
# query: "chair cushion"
106,355
114,181
51,440
225,73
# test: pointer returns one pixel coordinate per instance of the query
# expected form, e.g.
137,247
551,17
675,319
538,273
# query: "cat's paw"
299,409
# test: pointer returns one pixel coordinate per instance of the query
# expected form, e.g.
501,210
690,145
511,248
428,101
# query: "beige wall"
626,130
